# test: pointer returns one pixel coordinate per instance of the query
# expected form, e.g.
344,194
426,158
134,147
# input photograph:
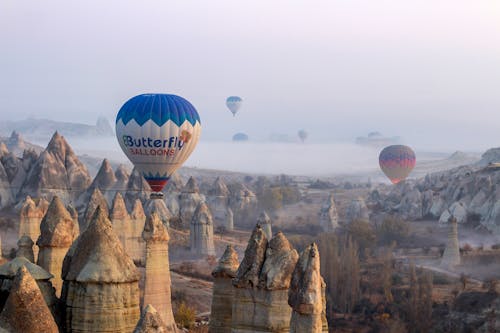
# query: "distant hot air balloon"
397,161
302,135
157,132
233,103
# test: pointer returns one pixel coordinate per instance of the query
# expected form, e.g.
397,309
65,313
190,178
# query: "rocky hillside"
469,193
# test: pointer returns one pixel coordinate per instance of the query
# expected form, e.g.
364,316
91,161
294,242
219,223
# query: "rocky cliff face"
265,222
222,293
25,309
357,210
189,199
137,188
56,171
261,285
218,202
306,294
6,197
100,290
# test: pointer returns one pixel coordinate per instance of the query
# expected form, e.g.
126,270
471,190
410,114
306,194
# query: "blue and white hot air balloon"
157,132
233,103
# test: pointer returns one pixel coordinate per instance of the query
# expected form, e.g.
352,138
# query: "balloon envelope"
397,161
233,103
302,135
157,132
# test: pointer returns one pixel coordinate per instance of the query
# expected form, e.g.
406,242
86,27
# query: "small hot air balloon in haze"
233,103
397,161
302,135
157,132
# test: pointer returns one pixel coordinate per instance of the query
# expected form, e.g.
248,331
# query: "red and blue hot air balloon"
397,162
157,132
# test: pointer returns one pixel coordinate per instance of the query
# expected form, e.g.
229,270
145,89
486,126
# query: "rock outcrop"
25,310
137,188
6,197
157,283
306,294
202,232
96,200
120,219
457,210
104,180
30,218
451,254
100,291
58,231
222,294
328,216
189,199
57,171
218,202
260,302
150,322
265,222
8,272
25,248
357,210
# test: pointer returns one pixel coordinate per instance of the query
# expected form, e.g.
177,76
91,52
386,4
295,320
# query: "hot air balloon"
157,132
302,135
397,161
233,103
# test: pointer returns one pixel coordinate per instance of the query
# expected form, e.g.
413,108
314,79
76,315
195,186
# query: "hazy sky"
426,70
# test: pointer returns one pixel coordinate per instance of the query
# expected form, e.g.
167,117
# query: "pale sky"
426,70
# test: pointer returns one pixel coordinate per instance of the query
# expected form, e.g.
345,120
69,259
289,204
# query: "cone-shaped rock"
306,294
137,249
328,217
6,196
160,208
202,232
8,272
150,322
189,200
57,171
265,222
218,201
222,294
122,224
157,281
247,275
96,200
100,290
25,310
58,231
104,180
25,248
137,188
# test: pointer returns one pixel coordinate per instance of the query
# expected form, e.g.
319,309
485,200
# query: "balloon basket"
156,195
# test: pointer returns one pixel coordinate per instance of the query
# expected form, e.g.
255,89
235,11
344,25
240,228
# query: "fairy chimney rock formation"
157,281
202,232
159,207
357,210
222,293
100,291
328,217
451,255
265,222
261,285
150,322
58,231
218,201
136,246
25,248
30,218
189,199
9,270
25,310
96,200
121,220
306,296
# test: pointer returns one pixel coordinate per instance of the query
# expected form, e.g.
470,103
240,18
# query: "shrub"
185,316
392,230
